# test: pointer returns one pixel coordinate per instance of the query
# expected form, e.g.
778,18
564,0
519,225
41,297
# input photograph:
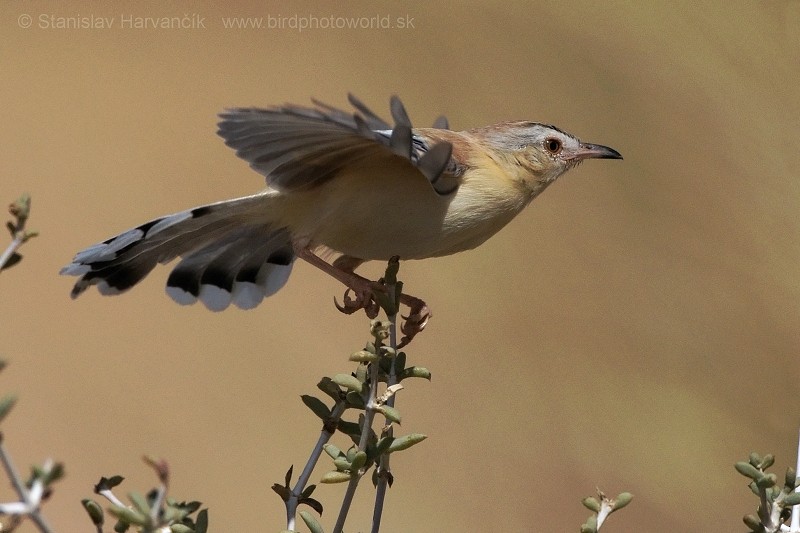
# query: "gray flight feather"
299,148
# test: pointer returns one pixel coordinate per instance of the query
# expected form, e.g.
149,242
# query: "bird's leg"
360,287
364,290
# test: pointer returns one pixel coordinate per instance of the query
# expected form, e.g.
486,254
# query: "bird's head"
542,151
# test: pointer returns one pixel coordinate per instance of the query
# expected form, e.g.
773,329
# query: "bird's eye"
552,145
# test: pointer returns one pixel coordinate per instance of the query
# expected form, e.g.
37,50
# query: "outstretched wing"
299,148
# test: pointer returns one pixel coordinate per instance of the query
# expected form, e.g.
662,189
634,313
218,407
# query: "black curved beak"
595,151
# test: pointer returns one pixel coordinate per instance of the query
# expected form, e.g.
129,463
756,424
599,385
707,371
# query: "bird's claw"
415,322
355,299
362,300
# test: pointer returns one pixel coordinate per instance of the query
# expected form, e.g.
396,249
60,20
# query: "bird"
339,184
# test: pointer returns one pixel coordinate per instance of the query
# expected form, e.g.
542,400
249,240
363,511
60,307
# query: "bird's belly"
379,227
405,218
382,214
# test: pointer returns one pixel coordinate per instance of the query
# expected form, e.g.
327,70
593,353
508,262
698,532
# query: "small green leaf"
311,502
383,445
6,404
187,507
308,491
752,522
94,510
56,472
390,413
359,460
349,382
385,366
790,480
399,363
129,516
773,493
748,470
363,356
342,464
333,451
361,373
311,522
388,352
107,483
350,429
590,526
201,524
14,259
767,461
755,459
355,400
623,499
351,453
180,528
330,388
406,441
284,492
140,503
415,372
288,477
767,481
317,406
591,503
173,515
335,476
791,499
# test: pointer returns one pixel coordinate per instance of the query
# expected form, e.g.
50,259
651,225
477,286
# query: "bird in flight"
344,184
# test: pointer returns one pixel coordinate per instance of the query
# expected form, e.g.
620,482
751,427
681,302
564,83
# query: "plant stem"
21,491
20,210
305,475
366,428
384,471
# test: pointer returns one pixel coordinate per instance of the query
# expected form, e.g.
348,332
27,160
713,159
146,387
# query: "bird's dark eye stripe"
552,145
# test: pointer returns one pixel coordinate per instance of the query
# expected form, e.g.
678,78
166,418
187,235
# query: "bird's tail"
230,252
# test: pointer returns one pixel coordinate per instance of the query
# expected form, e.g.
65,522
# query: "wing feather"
298,148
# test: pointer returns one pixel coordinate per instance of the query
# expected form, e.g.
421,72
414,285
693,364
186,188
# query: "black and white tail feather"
228,256
232,252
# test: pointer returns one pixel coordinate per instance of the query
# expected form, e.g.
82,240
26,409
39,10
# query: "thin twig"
12,248
12,473
21,491
20,210
305,475
371,405
384,471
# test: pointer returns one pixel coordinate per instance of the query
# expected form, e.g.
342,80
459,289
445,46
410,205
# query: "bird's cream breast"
378,209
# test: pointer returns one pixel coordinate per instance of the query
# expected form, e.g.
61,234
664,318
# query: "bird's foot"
369,295
361,295
417,319
362,299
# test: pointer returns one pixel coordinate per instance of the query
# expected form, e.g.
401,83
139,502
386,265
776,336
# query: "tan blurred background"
635,329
